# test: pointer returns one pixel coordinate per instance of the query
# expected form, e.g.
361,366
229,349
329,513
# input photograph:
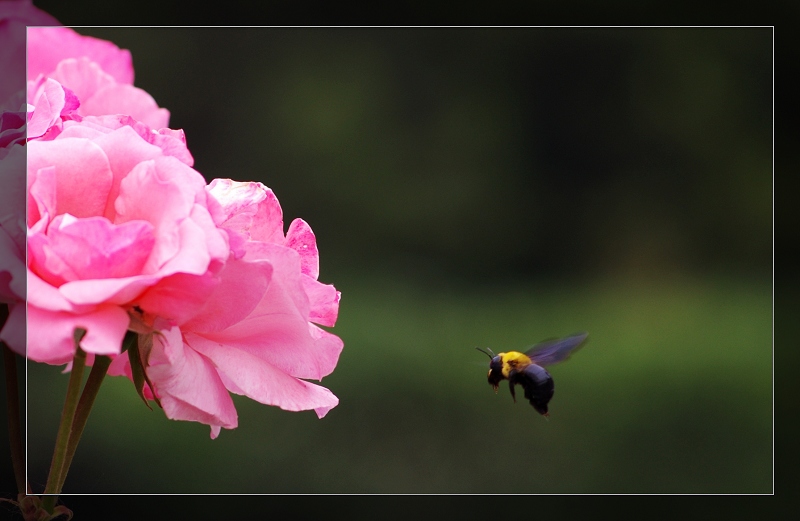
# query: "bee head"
495,375
495,368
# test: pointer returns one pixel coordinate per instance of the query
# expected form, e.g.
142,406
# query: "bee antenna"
490,354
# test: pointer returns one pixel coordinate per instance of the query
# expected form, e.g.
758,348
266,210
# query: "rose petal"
46,296
126,99
50,333
262,381
82,76
323,300
241,287
248,209
51,101
41,198
171,142
47,46
94,248
113,291
178,297
187,383
83,175
301,239
277,330
163,191
125,149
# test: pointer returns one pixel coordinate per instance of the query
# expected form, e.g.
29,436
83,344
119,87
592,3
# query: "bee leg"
511,388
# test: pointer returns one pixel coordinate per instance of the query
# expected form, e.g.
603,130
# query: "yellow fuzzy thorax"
514,360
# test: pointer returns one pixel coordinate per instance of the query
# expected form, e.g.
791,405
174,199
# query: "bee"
528,369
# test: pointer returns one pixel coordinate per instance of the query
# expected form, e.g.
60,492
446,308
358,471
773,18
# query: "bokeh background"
484,187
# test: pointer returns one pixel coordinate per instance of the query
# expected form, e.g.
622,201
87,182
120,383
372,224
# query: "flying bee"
528,369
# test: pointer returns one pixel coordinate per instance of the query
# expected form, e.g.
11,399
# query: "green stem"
53,486
90,390
14,425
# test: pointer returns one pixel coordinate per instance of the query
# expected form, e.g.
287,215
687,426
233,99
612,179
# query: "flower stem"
53,486
90,390
14,425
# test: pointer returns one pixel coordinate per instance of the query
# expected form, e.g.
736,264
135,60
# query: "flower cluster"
124,235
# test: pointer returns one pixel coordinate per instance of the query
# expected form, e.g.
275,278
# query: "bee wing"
551,352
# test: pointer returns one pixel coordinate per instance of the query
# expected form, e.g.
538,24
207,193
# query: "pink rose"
124,235
256,334
110,217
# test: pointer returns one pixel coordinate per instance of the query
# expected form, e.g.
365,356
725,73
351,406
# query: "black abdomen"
538,385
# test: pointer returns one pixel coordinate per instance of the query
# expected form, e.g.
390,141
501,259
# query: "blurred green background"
481,187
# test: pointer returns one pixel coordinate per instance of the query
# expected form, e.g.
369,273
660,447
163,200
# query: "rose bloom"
124,235
119,228
255,334
89,238
92,76
110,216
